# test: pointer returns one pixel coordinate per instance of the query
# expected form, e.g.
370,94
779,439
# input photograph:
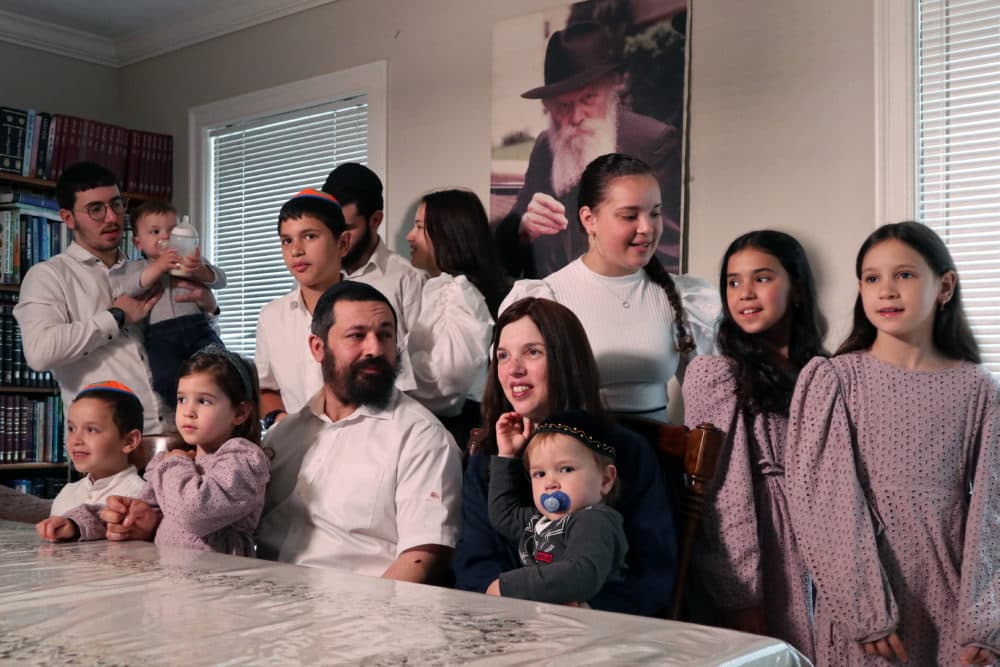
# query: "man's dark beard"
356,255
357,387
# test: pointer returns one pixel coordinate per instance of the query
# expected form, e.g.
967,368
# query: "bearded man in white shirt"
365,479
71,323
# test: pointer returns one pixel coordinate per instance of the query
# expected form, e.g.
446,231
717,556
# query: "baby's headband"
586,428
236,362
312,193
107,385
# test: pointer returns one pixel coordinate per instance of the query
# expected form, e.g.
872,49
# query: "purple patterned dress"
894,488
748,555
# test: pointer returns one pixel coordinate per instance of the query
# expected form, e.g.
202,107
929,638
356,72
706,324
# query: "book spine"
29,142
44,125
51,154
12,133
7,344
6,249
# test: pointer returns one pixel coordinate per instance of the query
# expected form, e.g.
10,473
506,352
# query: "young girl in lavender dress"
210,498
894,472
770,329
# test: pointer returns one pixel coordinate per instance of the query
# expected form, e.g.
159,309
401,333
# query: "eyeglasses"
97,210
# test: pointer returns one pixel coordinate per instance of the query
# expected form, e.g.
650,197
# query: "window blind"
255,167
958,179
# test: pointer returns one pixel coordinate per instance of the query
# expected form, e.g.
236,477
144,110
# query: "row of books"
31,429
43,487
42,145
14,370
31,234
13,196
28,235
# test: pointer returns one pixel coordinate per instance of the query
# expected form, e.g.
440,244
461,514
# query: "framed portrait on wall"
571,84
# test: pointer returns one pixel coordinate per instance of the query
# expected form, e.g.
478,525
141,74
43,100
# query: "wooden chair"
693,453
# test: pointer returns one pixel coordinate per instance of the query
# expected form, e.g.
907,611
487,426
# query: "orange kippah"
317,194
107,385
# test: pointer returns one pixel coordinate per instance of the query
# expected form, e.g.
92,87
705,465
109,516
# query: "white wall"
783,133
47,82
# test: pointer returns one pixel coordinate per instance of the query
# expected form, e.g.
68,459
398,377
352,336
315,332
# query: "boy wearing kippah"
103,427
313,238
571,542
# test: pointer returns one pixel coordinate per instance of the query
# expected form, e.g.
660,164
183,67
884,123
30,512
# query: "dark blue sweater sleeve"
481,554
649,528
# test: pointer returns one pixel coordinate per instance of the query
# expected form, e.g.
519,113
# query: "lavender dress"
894,489
748,555
213,503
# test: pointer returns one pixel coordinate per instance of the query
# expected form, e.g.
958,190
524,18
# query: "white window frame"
895,111
368,79
897,140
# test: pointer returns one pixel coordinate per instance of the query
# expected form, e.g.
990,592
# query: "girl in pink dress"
210,498
894,469
770,329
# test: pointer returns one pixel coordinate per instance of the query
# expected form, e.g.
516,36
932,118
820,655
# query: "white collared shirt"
355,493
66,328
398,280
284,362
88,491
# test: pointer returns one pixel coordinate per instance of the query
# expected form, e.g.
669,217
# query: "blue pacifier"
555,502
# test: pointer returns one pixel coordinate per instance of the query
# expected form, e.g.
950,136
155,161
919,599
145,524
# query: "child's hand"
975,655
57,529
181,451
129,519
890,647
192,263
494,588
169,259
513,432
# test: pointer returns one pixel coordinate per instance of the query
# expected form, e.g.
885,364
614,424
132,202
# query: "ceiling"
107,18
122,32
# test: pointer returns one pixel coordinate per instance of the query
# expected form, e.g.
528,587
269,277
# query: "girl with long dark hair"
770,329
894,469
448,346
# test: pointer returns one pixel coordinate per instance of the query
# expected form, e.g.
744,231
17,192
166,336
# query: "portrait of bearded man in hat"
582,100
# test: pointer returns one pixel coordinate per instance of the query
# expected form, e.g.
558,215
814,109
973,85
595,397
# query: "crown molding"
216,20
24,31
177,32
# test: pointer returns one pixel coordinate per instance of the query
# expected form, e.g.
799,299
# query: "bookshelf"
42,184
35,148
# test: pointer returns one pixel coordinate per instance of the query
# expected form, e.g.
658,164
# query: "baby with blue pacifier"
571,542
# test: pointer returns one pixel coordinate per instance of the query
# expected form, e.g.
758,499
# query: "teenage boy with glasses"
70,323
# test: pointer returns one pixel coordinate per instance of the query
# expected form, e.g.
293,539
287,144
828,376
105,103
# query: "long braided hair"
593,188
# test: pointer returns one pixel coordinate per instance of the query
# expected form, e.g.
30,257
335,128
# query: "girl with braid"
643,323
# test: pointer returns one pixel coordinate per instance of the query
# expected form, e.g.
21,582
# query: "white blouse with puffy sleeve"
631,328
448,347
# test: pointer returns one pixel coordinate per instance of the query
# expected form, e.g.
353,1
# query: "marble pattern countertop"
103,603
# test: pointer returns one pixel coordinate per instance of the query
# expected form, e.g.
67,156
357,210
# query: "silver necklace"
624,299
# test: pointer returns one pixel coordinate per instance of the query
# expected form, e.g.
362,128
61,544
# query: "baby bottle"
183,239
